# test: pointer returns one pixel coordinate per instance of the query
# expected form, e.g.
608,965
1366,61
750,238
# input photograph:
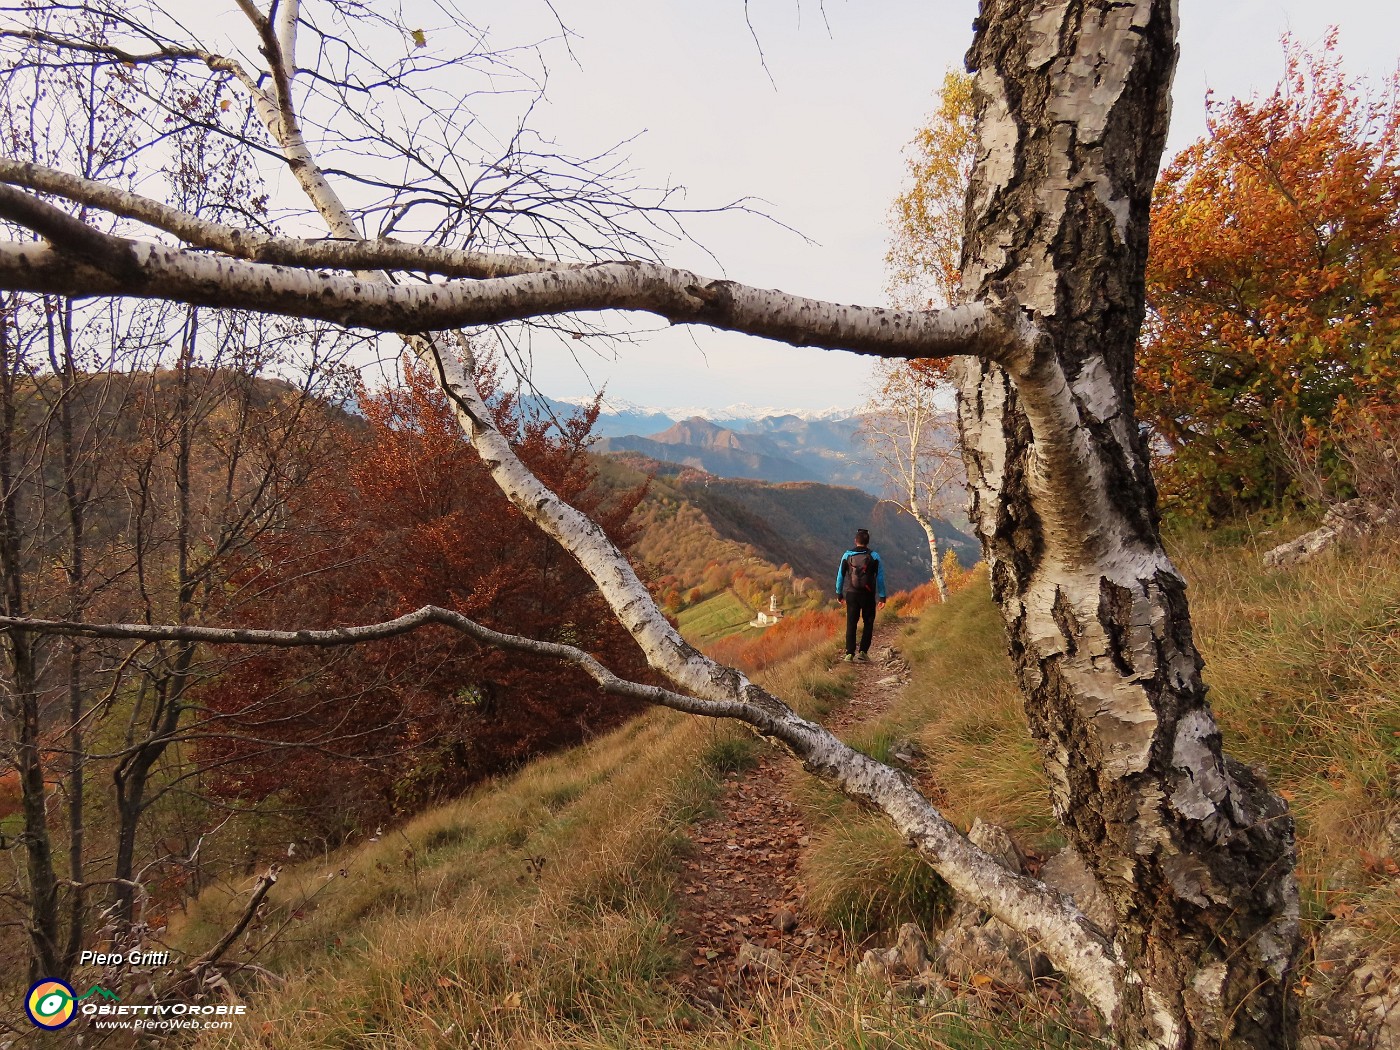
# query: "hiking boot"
847,658
862,658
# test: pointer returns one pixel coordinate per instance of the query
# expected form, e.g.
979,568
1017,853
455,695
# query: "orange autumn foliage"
1274,307
787,638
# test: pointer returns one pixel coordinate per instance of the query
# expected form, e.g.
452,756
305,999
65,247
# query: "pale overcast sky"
821,143
816,132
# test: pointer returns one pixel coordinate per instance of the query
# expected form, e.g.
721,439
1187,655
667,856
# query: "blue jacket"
879,572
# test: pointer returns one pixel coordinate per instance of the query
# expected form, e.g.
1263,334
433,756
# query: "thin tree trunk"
65,369
133,773
45,959
933,556
23,704
1193,850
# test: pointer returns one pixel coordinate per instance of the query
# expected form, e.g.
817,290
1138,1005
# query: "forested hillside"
808,525
195,489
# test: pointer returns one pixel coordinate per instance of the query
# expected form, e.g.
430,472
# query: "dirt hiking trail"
742,913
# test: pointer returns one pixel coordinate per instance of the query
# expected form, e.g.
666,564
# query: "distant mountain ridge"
724,462
741,442
741,416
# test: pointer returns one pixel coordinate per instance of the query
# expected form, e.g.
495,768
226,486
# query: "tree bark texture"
1193,850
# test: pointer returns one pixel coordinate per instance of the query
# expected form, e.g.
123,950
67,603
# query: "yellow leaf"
224,105
420,38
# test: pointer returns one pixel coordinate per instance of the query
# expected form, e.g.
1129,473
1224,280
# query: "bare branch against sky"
814,132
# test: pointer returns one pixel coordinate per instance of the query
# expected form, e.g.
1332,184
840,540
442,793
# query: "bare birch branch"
1067,937
119,267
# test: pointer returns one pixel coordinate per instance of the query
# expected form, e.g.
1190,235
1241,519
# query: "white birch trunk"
933,556
1193,850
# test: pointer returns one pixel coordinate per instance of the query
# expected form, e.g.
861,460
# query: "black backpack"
861,570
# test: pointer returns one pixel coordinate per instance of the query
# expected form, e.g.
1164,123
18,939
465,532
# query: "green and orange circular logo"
50,1003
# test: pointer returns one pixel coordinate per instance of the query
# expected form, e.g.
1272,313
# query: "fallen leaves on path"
741,915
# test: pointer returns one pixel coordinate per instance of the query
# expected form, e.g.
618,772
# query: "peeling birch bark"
1193,850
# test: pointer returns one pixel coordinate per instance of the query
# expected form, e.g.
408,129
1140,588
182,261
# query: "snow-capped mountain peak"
745,411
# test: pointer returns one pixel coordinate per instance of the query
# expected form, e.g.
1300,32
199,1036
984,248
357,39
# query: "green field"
715,618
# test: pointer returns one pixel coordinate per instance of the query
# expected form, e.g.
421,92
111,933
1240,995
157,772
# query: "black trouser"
858,605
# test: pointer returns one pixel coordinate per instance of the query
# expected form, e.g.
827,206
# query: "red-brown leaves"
414,519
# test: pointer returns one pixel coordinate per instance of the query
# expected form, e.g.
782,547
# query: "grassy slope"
538,903
1304,669
714,618
533,912
446,933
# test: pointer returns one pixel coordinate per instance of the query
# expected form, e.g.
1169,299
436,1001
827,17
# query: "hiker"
860,583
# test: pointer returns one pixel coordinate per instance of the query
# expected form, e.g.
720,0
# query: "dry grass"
1304,666
964,713
447,935
536,911
542,898
1304,669
452,933
862,878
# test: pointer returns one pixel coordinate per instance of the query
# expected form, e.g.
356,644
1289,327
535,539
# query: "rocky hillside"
703,445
